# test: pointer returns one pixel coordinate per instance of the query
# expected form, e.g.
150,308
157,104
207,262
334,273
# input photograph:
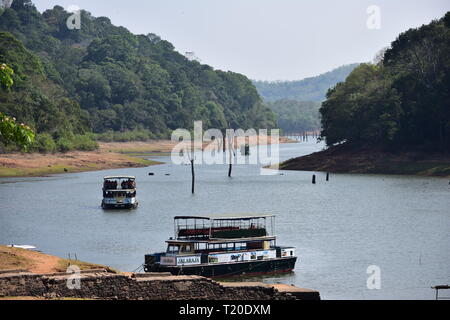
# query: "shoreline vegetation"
110,155
372,160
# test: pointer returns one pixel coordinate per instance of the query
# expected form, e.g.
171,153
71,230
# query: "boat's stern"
118,202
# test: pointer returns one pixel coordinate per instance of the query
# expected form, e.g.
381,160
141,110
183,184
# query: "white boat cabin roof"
226,217
120,178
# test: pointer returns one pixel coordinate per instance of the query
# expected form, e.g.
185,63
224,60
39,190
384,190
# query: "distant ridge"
309,89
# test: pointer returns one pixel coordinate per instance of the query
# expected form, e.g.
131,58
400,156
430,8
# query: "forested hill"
392,117
40,102
309,89
295,117
401,102
296,104
115,80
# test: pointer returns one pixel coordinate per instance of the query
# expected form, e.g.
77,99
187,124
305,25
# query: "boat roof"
218,241
227,217
119,177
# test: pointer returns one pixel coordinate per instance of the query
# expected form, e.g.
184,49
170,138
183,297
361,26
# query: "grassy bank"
349,159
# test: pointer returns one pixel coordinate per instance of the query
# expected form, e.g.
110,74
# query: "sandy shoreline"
112,155
348,159
19,165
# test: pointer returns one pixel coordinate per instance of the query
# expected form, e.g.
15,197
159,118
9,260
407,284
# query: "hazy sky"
267,39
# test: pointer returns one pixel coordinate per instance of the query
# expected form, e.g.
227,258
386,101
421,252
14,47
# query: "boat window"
173,249
186,248
201,246
255,245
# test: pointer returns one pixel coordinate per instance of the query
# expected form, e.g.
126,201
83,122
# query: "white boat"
119,192
25,247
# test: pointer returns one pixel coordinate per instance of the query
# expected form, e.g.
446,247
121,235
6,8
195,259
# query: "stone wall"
99,284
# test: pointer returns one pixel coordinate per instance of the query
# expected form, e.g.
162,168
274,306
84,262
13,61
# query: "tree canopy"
403,101
110,80
10,130
34,99
296,116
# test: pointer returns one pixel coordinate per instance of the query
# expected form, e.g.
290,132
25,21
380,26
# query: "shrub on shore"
84,143
45,143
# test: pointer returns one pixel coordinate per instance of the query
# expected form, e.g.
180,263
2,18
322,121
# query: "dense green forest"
296,116
309,89
12,132
296,104
39,102
401,102
101,80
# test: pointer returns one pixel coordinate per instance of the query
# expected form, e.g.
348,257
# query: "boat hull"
247,268
119,206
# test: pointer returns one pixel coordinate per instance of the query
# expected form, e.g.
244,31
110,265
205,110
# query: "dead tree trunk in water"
224,151
191,157
231,151
193,176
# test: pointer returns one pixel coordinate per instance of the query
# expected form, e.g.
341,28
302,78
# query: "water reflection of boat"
222,246
119,192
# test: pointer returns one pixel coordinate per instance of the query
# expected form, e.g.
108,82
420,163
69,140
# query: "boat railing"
113,186
191,232
195,228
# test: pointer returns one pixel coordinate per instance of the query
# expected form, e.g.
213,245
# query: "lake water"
399,223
